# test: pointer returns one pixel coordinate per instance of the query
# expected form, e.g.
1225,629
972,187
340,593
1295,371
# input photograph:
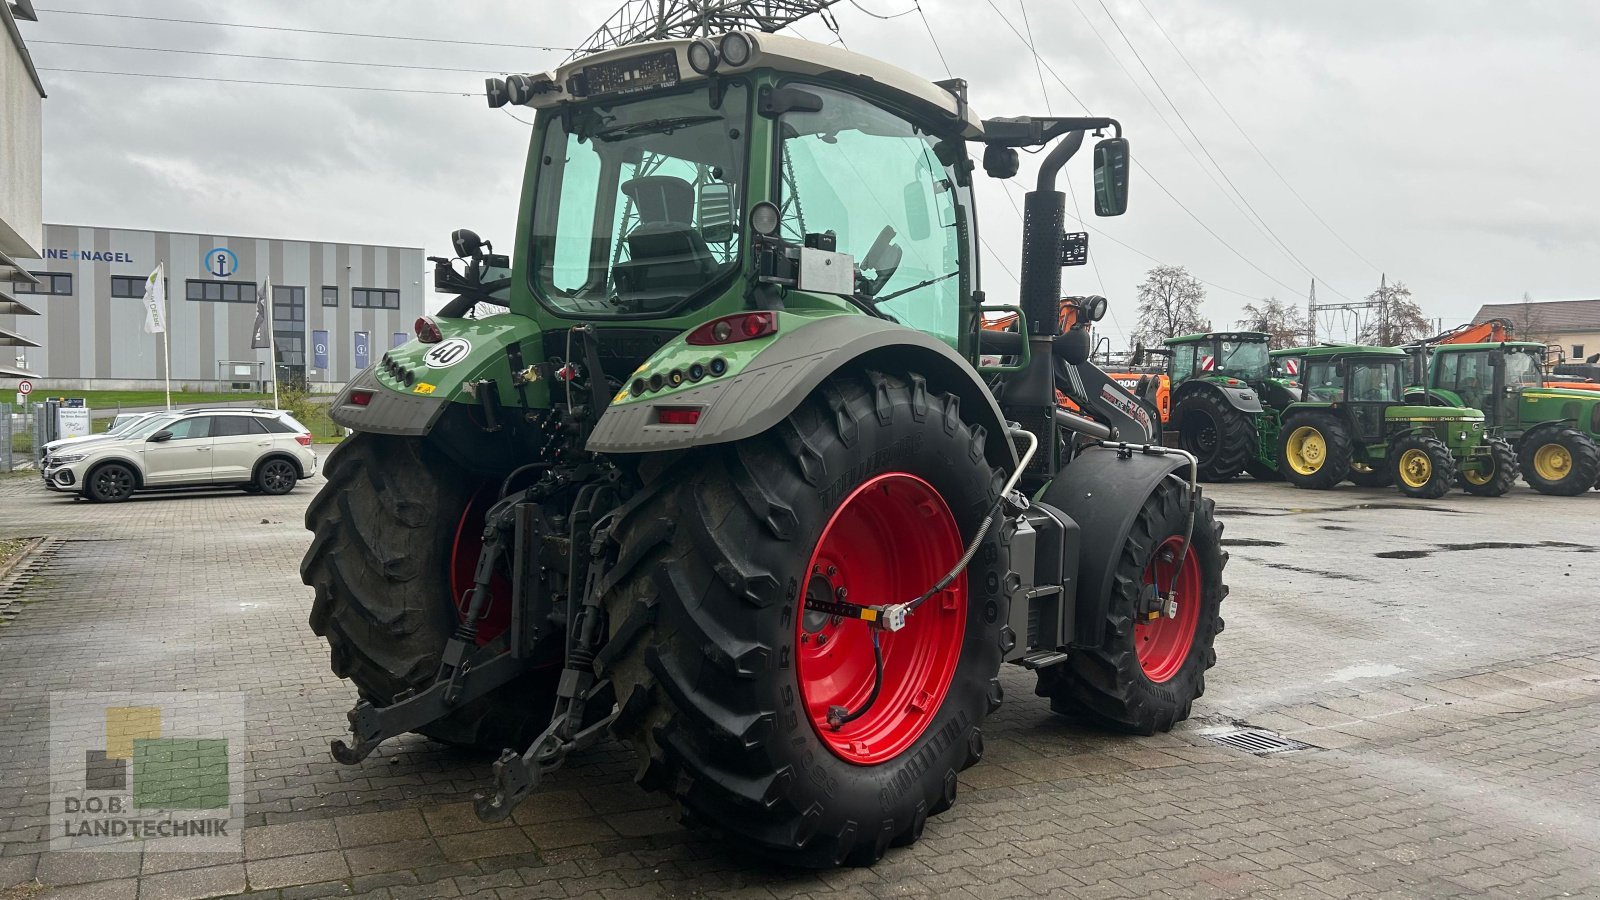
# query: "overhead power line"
884,17
301,84
299,59
1203,148
385,37
936,48
1252,143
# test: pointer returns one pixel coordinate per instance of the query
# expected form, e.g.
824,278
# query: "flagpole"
272,343
166,347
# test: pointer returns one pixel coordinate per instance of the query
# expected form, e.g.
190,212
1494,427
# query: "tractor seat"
667,256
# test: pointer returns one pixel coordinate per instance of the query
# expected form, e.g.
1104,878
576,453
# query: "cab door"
179,453
236,444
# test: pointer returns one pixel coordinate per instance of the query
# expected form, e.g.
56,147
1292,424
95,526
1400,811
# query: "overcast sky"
1451,143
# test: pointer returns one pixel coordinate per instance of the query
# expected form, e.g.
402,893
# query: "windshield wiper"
652,126
915,287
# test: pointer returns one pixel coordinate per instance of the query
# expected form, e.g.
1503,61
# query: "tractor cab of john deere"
1363,381
1490,377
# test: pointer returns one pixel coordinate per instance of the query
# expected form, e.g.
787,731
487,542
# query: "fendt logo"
221,262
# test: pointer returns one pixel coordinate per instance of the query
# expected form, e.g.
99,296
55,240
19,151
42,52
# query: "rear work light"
303,440
678,415
733,329
360,398
428,330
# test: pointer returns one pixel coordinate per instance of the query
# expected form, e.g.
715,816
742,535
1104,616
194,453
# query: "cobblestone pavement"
1444,658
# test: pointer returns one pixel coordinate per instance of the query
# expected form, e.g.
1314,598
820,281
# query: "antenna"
654,20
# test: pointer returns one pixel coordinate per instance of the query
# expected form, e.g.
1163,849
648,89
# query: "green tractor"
1352,420
723,477
1555,431
1218,381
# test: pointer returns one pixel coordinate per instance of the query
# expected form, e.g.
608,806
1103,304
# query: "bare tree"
1397,318
1169,305
1527,323
1283,321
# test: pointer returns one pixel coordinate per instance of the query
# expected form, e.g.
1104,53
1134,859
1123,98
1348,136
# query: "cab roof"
1508,345
777,52
1258,336
1348,350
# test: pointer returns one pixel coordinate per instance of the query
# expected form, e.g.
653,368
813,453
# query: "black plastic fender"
1102,490
768,389
386,412
1242,398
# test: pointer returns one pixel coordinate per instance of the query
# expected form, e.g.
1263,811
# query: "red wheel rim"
889,541
464,553
1164,644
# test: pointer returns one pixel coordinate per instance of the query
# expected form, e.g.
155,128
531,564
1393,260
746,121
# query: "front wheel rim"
890,540
1552,462
112,483
1163,644
1307,450
1416,468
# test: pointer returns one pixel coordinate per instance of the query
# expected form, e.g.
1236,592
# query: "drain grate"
1257,741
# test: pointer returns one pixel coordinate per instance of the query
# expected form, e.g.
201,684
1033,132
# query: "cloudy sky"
1450,144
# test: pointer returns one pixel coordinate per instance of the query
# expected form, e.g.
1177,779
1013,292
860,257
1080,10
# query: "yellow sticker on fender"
423,388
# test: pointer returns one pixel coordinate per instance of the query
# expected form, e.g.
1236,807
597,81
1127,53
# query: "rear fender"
1103,491
763,389
1243,398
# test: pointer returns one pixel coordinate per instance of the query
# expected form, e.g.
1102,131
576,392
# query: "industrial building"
335,309
21,160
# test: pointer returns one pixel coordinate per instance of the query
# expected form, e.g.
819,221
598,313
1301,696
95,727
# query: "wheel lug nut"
833,570
841,593
821,639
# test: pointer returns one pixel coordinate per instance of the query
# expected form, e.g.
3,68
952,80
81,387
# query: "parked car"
121,425
261,450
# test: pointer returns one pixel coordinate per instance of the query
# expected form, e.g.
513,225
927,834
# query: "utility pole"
654,20
1311,316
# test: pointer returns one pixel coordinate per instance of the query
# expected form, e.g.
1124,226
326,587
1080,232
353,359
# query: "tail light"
428,330
360,398
732,329
303,440
678,415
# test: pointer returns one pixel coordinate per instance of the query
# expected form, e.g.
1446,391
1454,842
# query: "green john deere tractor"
723,477
1218,381
1555,431
1352,420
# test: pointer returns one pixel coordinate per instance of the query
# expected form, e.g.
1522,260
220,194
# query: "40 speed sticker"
447,354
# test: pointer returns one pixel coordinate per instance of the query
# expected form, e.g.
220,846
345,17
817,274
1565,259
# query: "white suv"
263,451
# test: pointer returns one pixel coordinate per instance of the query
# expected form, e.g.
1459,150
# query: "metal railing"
19,444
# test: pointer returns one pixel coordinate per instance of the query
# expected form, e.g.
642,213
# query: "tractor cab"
1364,381
1490,377
1284,370
1230,357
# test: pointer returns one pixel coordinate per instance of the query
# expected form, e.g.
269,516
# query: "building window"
1577,351
374,298
330,295
131,286
54,283
219,291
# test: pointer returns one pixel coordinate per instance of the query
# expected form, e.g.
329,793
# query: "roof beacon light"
737,48
702,56
428,330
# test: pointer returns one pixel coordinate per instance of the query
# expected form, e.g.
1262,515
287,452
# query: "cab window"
1375,382
1182,362
1323,382
1474,378
873,180
196,427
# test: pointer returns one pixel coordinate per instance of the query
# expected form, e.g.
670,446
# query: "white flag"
258,336
155,301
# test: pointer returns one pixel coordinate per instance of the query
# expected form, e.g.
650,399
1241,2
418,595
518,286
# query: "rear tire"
1499,479
276,477
1367,476
1126,684
380,561
1220,437
1422,466
1314,451
707,613
1559,460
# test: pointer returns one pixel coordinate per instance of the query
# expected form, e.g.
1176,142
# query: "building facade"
335,308
1573,325
21,161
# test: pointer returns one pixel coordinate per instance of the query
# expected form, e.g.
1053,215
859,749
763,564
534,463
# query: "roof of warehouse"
1553,315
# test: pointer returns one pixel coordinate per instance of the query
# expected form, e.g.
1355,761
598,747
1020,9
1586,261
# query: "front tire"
1145,675
1364,475
1559,460
1314,451
385,527
724,675
1501,475
1422,466
1220,436
110,483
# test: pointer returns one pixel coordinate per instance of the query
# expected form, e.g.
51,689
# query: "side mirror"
1111,177
915,200
1138,354
714,211
161,436
466,243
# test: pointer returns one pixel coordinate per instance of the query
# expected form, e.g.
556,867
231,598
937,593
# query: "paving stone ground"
1443,656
